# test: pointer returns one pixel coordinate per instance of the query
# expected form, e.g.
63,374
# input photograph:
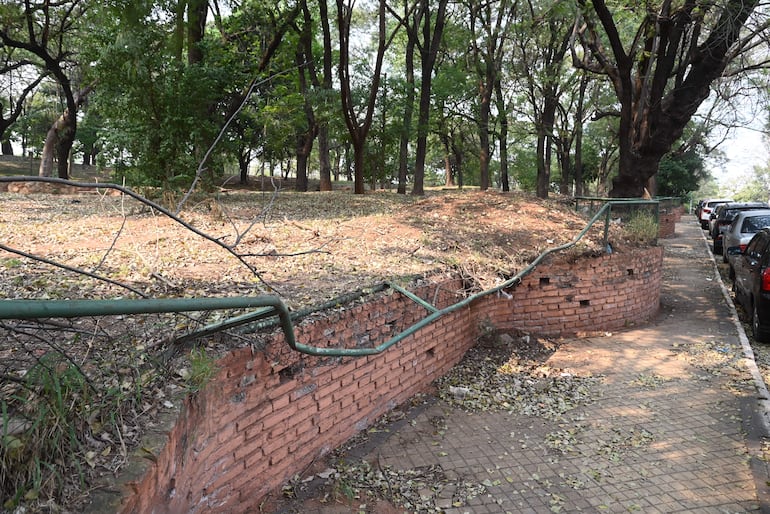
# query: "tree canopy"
582,96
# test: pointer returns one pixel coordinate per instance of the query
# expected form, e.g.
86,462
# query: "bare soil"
305,247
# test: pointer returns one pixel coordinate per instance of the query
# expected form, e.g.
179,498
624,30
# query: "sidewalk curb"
756,416
763,396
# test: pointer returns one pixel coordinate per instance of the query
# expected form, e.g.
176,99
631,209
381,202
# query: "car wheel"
756,328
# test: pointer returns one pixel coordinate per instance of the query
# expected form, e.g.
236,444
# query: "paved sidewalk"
674,426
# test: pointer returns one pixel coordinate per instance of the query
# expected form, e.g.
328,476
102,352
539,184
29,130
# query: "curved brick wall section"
667,221
592,295
270,413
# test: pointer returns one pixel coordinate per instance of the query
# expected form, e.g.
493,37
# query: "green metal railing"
271,307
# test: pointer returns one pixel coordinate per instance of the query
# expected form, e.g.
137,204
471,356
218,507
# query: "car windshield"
755,223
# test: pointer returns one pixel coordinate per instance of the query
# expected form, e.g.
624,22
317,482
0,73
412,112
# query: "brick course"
268,415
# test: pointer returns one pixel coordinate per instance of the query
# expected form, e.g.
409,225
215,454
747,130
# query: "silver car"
740,232
707,208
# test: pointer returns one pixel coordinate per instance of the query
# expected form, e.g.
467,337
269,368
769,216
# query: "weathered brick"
333,399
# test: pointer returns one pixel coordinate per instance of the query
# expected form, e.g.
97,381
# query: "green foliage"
55,420
202,370
42,428
39,113
753,187
157,109
710,188
679,174
524,168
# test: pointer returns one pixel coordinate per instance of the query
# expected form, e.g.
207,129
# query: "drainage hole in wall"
585,303
289,373
544,281
629,272
430,352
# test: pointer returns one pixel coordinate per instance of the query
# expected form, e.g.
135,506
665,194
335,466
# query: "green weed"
202,370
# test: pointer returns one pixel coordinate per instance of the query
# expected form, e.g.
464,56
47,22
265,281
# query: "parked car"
741,230
706,209
698,208
722,217
751,283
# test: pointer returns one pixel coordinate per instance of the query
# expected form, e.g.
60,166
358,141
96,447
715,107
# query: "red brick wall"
667,224
667,221
270,413
605,293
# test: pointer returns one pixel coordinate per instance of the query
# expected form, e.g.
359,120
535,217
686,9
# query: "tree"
249,39
455,94
411,21
18,79
152,102
46,31
425,29
680,173
662,71
323,85
682,170
359,128
489,24
542,40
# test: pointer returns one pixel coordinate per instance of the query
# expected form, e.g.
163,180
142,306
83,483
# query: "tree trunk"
431,39
661,82
543,169
63,150
448,175
565,164
7,148
485,93
324,159
406,128
358,131
56,148
244,156
503,136
337,165
196,29
348,162
306,61
579,111
177,40
305,139
304,147
48,155
358,168
544,136
448,161
458,162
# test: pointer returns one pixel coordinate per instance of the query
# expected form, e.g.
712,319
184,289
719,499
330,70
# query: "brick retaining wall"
270,413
